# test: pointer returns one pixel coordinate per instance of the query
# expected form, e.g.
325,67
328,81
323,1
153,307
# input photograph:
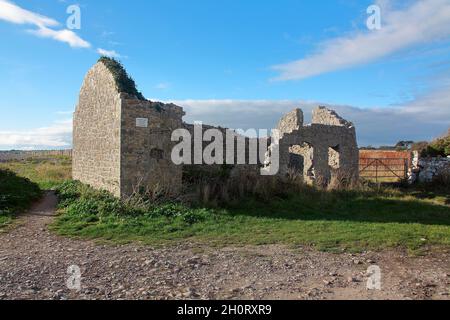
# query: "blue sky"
240,64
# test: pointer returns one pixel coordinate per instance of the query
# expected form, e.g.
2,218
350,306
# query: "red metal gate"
384,169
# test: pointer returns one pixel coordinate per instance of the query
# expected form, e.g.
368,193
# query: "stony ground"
34,265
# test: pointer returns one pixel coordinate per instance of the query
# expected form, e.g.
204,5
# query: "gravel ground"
34,265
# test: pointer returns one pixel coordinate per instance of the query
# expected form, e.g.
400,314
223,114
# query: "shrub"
16,193
169,210
419,146
439,147
195,216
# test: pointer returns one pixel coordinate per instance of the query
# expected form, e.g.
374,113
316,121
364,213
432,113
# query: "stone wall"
122,144
319,149
289,122
322,115
247,156
97,130
426,170
146,150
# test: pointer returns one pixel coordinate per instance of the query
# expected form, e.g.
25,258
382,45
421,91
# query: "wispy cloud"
12,13
108,53
65,35
421,23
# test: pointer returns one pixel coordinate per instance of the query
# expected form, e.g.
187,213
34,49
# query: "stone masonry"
122,143
426,170
326,147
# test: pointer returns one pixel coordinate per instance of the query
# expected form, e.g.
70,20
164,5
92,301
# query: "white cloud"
11,12
421,23
65,35
15,14
425,118
58,135
108,53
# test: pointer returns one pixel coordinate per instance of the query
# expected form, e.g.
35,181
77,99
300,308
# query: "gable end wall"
96,132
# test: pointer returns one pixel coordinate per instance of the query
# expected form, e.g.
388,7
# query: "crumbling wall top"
323,115
290,122
124,83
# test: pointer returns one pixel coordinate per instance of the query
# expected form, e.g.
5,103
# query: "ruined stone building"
122,142
325,147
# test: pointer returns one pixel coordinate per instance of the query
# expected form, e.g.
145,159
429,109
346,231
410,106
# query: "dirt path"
34,265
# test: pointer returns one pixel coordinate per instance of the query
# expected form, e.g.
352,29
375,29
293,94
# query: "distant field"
24,155
47,172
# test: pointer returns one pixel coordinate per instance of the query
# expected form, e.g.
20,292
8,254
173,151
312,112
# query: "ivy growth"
123,81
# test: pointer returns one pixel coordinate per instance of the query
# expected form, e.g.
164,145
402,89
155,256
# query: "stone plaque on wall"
141,122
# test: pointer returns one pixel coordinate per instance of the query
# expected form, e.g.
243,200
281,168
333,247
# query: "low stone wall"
218,168
426,170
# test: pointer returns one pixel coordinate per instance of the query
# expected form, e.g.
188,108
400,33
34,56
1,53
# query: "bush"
439,147
79,199
420,146
16,193
68,192
170,210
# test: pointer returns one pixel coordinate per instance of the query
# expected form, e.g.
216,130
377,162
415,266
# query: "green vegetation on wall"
123,80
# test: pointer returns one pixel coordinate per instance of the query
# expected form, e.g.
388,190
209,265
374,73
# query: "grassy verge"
16,195
338,220
46,172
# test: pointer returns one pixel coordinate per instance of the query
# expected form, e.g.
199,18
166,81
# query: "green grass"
334,221
16,195
46,172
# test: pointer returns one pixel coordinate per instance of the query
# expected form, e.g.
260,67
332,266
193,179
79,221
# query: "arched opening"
334,160
302,161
